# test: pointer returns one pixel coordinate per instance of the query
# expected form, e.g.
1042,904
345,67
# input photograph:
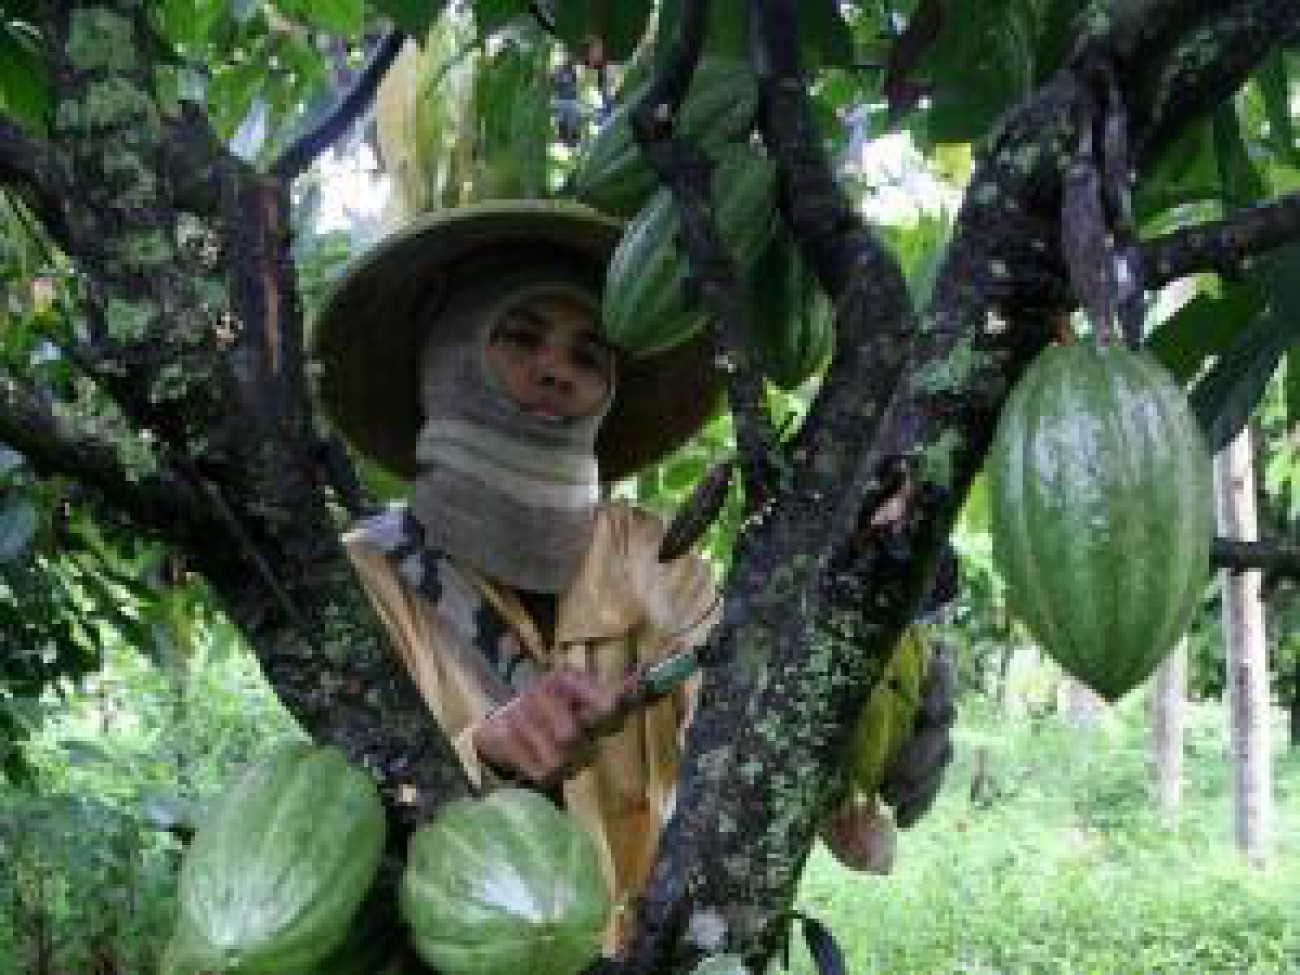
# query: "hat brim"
370,332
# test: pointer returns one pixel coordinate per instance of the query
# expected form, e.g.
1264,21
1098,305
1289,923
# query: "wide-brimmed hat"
370,333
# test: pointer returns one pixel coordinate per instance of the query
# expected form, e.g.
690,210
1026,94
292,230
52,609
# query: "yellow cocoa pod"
890,712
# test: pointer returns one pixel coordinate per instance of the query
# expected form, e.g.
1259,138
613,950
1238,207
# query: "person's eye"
593,358
519,334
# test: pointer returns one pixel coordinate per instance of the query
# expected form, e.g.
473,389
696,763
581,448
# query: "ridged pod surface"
890,712
279,868
644,308
505,884
719,108
789,319
1102,511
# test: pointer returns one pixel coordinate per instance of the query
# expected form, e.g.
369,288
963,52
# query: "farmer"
464,355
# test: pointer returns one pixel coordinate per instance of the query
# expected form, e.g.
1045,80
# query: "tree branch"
686,172
28,165
772,723
195,329
157,502
875,321
303,152
1223,245
1280,558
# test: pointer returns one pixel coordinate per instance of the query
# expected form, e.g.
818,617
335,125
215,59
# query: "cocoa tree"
187,315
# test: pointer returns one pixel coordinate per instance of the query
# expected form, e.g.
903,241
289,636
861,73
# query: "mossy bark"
194,328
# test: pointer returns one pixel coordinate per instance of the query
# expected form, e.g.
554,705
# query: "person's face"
550,359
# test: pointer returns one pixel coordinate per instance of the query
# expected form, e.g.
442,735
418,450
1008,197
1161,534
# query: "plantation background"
1062,866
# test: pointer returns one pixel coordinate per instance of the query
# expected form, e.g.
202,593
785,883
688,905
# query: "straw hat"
373,326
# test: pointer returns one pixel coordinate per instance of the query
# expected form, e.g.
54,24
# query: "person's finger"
541,759
592,700
554,714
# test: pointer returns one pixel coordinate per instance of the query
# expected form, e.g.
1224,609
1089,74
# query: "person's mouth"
546,413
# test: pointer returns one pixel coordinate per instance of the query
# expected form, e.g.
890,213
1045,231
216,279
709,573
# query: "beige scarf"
507,493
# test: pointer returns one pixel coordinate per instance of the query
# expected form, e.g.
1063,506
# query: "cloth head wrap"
501,490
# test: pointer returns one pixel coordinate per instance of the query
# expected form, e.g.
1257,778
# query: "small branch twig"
155,502
874,321
686,172
303,152
27,165
1275,557
1223,245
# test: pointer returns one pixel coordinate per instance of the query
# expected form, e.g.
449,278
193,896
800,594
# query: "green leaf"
19,521
189,22
981,62
618,26
1275,87
1239,178
1225,399
490,15
1186,172
1202,328
825,37
413,16
231,94
24,91
345,17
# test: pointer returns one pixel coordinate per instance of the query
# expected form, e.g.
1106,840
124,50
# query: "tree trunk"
1168,700
1247,658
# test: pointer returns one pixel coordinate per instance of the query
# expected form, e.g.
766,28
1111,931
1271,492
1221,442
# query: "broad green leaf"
413,16
1275,87
616,26
728,27
981,63
1203,328
1186,172
24,90
338,16
489,15
826,38
1225,399
1238,176
19,522
231,94
189,23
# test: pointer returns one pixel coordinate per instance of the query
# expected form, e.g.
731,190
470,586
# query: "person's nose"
553,368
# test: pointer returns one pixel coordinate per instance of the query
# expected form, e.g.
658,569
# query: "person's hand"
861,836
546,733
913,778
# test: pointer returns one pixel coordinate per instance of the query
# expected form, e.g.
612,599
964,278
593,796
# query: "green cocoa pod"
789,320
504,884
718,109
645,307
1101,508
276,873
